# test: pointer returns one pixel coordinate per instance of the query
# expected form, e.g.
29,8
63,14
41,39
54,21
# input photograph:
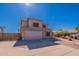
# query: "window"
44,26
35,24
47,33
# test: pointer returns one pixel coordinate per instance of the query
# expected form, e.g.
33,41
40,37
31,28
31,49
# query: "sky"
56,15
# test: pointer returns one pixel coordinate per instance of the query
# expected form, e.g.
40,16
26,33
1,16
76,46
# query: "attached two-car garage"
32,35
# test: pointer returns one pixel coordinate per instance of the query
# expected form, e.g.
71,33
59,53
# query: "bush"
61,33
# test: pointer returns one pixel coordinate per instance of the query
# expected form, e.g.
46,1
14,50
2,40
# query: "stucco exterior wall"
32,35
44,34
28,31
36,21
24,23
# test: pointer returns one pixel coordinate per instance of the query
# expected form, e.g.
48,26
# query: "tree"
2,29
77,28
59,33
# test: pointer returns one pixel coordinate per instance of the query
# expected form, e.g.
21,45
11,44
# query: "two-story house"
34,29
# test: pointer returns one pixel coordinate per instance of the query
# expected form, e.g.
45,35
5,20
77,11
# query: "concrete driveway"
7,49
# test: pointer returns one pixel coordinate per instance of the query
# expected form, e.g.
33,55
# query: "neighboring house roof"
72,31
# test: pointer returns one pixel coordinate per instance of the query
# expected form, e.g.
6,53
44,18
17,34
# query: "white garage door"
31,35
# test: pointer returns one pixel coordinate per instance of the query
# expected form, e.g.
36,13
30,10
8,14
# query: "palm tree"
2,30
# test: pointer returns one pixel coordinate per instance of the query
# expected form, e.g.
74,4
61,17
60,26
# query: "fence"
10,36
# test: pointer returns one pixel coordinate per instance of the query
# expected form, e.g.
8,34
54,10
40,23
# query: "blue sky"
58,16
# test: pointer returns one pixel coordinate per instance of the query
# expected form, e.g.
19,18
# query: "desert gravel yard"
10,48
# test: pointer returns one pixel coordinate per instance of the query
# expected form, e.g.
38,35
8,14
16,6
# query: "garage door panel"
31,35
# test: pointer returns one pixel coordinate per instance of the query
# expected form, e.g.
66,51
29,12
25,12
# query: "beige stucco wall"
24,23
36,34
30,29
32,35
29,24
44,34
36,21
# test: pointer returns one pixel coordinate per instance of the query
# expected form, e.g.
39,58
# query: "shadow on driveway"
33,44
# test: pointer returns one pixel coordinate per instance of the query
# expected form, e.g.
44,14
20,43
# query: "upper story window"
35,24
44,26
